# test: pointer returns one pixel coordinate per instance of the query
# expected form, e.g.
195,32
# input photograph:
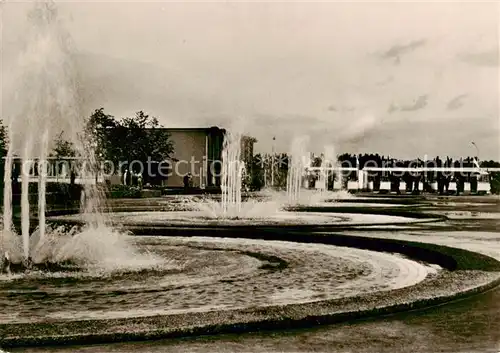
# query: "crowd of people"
132,178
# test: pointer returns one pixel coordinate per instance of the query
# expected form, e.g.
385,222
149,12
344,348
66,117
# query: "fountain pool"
205,274
280,218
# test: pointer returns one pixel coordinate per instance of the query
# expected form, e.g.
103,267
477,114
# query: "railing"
409,170
67,180
363,182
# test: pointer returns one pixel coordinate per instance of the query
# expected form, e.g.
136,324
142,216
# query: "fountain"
296,168
277,208
106,289
329,161
7,200
334,170
46,101
231,206
231,174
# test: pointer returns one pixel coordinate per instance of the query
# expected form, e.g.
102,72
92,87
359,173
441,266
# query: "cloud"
289,119
414,137
419,103
124,86
341,109
456,102
286,124
359,129
392,108
396,51
486,58
385,82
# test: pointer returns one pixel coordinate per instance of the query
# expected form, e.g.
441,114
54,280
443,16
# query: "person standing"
72,178
128,177
139,181
398,184
125,177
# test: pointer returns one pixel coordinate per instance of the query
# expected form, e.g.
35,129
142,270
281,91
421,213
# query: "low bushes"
57,194
495,183
58,188
123,191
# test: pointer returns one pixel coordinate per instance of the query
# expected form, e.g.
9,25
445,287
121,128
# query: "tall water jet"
231,174
6,239
25,202
334,165
340,175
42,182
44,102
296,167
7,192
329,162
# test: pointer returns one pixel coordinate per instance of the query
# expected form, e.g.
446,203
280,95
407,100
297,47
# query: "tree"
148,139
62,148
63,152
102,136
494,177
256,174
3,139
490,164
3,151
139,138
282,161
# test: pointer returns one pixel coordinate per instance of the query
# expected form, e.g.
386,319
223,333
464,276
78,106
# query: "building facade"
196,151
199,151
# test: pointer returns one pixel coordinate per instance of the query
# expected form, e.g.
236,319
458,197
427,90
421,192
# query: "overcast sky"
405,79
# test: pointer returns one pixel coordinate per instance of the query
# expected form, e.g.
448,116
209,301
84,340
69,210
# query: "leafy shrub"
124,191
495,183
59,191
